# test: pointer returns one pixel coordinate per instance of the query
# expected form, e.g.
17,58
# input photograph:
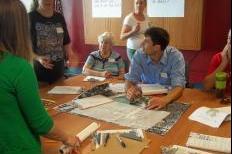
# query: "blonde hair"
106,36
14,29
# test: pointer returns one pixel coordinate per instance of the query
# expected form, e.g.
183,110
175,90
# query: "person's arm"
178,81
70,54
29,102
129,28
87,69
133,77
121,68
132,90
209,81
128,31
160,102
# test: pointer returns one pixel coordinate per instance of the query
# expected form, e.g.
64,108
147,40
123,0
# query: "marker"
121,142
106,139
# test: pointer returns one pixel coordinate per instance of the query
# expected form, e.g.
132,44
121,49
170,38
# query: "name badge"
164,75
111,60
59,30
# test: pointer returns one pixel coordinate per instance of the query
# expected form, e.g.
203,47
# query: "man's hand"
134,92
157,103
45,62
106,74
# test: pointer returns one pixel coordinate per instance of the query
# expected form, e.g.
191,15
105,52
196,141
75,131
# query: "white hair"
106,36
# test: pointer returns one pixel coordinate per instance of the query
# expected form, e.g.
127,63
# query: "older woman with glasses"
104,62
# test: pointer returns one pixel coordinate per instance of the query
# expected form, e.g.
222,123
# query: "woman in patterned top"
104,62
50,40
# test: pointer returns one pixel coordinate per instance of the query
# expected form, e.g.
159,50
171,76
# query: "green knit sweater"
22,115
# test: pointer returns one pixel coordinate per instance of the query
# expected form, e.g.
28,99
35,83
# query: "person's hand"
67,63
136,28
74,143
45,62
106,74
157,103
134,92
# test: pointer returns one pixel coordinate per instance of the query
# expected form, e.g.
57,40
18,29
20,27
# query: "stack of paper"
176,149
153,89
213,143
209,116
65,90
94,78
93,101
117,88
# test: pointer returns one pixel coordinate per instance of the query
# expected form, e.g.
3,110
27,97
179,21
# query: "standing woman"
23,118
134,26
50,40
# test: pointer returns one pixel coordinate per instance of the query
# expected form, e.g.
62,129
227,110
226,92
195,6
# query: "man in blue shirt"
156,63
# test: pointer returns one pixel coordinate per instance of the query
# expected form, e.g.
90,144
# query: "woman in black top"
51,41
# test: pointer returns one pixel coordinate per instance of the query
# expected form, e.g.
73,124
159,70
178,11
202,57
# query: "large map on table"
132,114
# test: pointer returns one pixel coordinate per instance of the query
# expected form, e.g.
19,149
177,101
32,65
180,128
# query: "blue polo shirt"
113,64
170,71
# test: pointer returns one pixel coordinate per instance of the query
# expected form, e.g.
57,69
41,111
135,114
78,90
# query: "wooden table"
177,135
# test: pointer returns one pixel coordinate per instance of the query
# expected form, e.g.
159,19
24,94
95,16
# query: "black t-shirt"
49,35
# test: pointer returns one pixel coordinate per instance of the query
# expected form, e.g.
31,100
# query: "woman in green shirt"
22,116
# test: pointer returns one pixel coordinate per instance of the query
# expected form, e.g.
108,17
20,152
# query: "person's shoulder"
15,62
129,17
94,53
217,56
174,52
33,14
140,54
115,54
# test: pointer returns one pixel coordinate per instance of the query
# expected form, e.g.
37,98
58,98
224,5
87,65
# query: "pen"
121,142
106,139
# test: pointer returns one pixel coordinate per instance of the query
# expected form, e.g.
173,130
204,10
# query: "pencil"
48,100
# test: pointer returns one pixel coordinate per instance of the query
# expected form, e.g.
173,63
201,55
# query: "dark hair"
14,29
159,36
34,5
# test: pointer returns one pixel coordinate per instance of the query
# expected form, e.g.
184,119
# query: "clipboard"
113,146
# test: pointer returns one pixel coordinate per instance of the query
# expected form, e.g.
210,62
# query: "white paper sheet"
117,88
207,142
185,150
152,89
124,115
226,110
65,90
93,101
166,8
97,78
209,116
106,8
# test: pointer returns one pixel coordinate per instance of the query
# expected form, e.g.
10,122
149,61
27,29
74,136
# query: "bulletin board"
185,32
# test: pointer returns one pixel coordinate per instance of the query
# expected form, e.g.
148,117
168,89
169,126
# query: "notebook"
90,102
207,142
153,89
209,116
65,90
